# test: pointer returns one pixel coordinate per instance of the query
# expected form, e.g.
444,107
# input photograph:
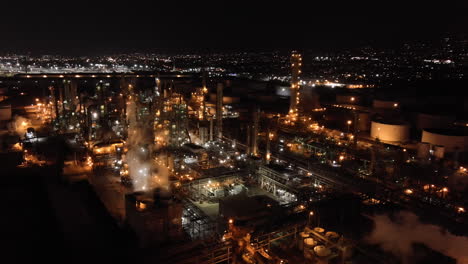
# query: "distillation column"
256,116
219,110
296,63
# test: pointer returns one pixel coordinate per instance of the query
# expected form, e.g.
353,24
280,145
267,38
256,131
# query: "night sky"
88,27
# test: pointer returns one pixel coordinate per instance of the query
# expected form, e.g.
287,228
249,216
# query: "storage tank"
451,139
390,131
385,104
363,122
348,99
333,236
424,120
322,251
319,230
424,149
439,151
309,244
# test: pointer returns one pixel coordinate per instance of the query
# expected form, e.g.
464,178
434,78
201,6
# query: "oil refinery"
204,169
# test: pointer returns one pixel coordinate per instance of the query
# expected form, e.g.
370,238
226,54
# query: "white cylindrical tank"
333,236
439,151
363,122
449,138
424,150
394,132
385,104
322,251
309,244
319,230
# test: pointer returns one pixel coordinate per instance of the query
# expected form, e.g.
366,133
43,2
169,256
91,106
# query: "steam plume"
399,235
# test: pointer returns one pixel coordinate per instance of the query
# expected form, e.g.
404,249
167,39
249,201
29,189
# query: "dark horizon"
105,29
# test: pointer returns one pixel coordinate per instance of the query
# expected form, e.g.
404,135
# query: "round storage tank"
319,230
363,122
393,132
384,104
424,149
433,121
348,99
333,236
322,251
309,244
451,139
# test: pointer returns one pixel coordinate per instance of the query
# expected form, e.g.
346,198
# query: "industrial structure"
295,97
240,181
390,131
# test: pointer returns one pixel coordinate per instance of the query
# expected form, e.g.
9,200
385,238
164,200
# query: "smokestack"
255,131
248,139
61,88
355,128
73,93
54,100
211,129
204,91
202,133
219,110
267,152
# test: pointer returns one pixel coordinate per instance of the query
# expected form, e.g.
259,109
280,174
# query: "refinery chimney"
296,63
255,132
211,128
267,152
248,139
219,110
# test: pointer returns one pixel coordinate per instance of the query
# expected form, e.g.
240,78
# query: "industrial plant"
199,168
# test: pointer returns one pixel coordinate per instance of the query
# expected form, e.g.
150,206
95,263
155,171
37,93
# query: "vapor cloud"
399,234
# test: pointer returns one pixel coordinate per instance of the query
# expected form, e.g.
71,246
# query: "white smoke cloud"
161,174
19,125
145,173
399,235
139,168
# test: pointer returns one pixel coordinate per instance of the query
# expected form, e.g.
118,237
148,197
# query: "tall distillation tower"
219,111
296,63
